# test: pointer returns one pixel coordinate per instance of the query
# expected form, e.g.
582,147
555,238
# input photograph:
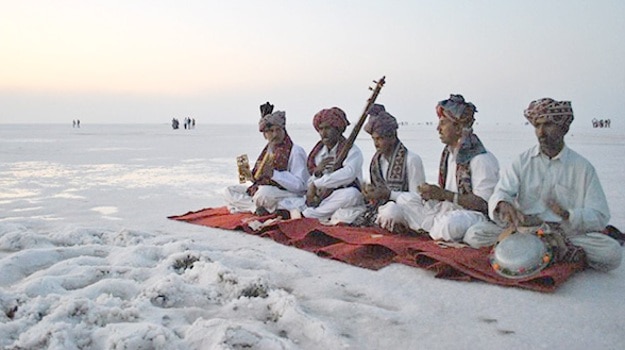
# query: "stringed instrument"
243,161
342,155
243,167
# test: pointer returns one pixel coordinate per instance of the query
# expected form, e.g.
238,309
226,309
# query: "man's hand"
429,192
312,197
247,174
326,163
558,210
374,193
509,214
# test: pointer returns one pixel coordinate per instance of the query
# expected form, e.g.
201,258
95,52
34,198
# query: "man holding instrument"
394,171
553,184
330,189
279,175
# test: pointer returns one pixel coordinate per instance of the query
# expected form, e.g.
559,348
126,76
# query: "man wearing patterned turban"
333,186
551,120
279,176
334,117
394,171
550,183
466,177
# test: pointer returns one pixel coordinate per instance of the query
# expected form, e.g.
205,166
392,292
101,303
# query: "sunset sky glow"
149,61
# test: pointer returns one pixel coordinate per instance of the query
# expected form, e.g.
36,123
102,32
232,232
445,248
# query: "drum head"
520,255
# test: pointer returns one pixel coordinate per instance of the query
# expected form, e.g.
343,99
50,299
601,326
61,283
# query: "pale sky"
217,61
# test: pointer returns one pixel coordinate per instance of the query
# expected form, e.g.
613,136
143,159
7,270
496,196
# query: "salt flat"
88,258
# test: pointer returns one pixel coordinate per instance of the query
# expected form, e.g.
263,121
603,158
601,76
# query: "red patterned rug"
374,248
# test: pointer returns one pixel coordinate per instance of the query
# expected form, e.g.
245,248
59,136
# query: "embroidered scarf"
396,175
470,146
396,180
281,152
318,147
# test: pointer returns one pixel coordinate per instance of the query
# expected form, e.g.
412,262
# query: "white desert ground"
89,260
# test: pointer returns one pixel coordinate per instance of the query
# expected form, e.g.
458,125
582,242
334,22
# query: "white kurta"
341,198
568,178
445,220
414,169
484,174
271,198
388,214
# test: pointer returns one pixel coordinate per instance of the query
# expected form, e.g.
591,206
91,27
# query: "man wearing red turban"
335,188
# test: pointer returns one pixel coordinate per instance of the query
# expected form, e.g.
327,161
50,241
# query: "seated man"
467,176
552,183
328,189
279,175
394,171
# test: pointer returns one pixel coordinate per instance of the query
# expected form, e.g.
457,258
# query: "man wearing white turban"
280,173
553,184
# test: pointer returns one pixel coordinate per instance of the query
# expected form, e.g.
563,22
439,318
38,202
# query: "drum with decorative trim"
520,255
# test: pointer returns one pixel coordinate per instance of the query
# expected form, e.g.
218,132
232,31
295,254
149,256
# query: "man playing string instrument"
394,171
280,173
329,191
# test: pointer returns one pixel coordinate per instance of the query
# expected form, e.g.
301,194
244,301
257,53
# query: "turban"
333,116
382,123
558,112
457,110
376,109
275,118
265,109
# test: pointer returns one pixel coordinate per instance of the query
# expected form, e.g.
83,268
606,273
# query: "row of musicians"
471,203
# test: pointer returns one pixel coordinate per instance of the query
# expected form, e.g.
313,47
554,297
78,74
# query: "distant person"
551,183
279,175
328,189
467,176
394,171
78,123
74,123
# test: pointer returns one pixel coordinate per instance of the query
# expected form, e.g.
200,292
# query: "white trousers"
343,205
602,251
442,220
269,197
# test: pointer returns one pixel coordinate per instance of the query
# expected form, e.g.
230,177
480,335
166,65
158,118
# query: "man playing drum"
552,183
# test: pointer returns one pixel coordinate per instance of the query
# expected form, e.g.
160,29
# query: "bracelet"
456,195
